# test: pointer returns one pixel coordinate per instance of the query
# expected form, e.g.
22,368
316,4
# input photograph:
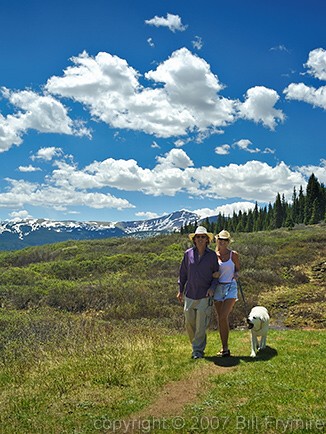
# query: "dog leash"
243,298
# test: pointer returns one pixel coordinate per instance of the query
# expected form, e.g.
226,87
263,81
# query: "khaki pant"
197,317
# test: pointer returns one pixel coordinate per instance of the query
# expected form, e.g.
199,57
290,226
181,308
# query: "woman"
226,293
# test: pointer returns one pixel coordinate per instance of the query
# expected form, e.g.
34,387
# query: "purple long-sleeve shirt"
195,275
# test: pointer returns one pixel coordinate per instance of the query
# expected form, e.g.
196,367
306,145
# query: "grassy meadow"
91,333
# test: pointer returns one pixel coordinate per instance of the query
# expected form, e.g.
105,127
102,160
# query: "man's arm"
183,276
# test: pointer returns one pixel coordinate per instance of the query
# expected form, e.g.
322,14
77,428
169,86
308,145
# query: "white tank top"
226,270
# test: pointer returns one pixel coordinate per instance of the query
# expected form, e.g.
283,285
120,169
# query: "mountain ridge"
20,233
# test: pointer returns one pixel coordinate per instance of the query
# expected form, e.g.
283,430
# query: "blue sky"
126,110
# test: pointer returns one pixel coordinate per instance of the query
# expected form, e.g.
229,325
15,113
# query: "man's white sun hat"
201,230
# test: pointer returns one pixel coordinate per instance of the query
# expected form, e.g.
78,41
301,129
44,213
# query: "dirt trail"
175,396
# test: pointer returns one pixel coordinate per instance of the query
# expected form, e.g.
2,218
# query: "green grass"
284,384
62,373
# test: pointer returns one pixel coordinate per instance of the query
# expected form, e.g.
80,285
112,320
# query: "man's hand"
180,297
210,293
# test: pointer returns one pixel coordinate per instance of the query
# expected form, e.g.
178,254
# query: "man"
197,287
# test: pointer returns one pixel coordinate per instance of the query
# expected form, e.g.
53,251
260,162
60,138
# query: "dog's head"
253,321
257,316
250,324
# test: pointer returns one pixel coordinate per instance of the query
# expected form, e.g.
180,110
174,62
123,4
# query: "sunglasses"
201,236
223,239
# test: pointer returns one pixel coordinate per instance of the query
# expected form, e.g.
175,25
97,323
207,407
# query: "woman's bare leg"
223,309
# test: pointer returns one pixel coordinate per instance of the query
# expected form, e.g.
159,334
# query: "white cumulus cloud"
244,145
184,97
259,107
227,209
318,171
29,168
172,22
21,193
316,65
47,153
308,94
42,113
175,173
147,215
19,215
175,158
223,149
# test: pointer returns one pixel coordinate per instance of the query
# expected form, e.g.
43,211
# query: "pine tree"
301,205
312,193
244,219
240,226
284,209
289,223
224,221
218,223
235,221
269,225
295,207
255,217
260,221
322,201
206,224
315,215
278,212
250,222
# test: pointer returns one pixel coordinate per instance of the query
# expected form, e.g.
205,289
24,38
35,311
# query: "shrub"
21,297
19,276
119,279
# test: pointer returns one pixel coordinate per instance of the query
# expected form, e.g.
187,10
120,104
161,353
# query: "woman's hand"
216,274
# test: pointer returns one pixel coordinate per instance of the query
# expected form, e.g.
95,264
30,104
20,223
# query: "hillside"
92,338
131,279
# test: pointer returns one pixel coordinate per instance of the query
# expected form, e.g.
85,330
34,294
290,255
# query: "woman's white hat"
223,235
201,230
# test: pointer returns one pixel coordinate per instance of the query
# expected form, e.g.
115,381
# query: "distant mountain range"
17,234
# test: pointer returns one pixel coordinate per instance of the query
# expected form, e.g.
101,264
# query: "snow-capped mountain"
168,223
17,234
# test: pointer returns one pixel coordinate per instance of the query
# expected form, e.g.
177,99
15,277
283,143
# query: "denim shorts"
226,290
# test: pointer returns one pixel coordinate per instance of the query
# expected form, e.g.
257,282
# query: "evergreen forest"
306,208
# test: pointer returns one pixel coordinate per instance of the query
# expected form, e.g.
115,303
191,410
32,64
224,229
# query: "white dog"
258,323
